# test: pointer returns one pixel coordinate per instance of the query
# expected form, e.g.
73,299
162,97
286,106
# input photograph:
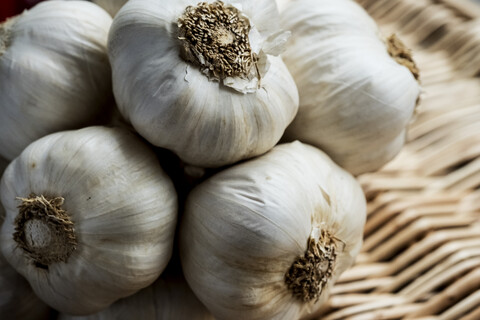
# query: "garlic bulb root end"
309,273
44,230
402,55
215,37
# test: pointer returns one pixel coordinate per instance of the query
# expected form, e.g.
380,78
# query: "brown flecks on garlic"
5,34
215,36
309,274
402,55
44,230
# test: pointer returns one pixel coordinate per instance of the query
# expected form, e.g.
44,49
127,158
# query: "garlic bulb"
90,217
169,298
267,238
111,6
357,92
54,71
203,80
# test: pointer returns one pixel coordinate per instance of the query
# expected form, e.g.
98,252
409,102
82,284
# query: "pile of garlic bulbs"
177,159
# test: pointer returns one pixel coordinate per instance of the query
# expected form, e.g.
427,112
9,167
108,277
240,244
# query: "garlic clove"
54,71
90,217
248,232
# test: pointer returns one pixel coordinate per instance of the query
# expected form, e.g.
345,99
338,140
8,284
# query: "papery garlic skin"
54,71
111,6
243,229
121,205
168,298
17,298
281,4
355,99
174,104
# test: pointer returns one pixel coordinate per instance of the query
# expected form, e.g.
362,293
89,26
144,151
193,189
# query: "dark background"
10,8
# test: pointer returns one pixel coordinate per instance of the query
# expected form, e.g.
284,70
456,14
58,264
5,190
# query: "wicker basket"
421,255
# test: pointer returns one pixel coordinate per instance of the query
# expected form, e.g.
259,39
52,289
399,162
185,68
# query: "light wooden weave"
421,255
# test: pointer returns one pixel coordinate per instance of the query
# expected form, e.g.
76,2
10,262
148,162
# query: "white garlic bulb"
203,80
169,298
355,98
54,71
267,238
111,6
90,217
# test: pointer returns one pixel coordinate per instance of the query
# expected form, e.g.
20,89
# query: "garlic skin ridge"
54,71
174,105
121,206
244,228
355,99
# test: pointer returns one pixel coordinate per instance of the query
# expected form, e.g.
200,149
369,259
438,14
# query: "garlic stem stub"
54,72
309,274
402,55
267,238
358,91
44,230
227,51
89,217
203,79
